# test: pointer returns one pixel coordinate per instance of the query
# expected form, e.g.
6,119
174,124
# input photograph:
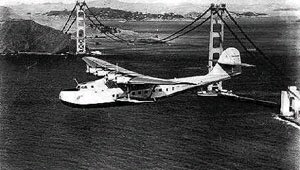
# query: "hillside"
7,14
248,14
28,36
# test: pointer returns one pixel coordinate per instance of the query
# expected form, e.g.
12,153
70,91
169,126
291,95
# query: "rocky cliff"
29,36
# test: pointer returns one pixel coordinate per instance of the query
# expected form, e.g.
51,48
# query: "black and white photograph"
149,84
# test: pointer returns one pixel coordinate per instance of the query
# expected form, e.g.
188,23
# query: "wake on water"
287,122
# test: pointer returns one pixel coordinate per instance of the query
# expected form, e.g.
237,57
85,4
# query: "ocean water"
181,132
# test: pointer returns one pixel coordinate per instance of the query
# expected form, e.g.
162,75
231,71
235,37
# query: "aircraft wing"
98,63
135,78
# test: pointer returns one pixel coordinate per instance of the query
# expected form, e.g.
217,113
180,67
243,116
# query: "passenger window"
92,86
172,88
167,89
113,95
160,90
139,92
133,93
146,92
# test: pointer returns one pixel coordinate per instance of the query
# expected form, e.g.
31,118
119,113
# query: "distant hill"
7,13
248,14
286,9
155,8
28,36
25,9
109,13
192,15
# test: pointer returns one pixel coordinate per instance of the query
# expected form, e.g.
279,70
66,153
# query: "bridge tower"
215,42
80,33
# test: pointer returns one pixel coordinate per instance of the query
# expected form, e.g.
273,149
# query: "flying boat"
117,85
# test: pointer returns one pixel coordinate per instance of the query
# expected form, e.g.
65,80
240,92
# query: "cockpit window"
83,87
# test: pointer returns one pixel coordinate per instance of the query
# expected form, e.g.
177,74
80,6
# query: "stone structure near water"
290,104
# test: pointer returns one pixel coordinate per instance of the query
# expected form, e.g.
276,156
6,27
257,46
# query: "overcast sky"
292,2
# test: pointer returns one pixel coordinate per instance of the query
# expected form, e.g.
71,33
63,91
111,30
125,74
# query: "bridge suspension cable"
71,24
198,18
253,44
188,31
235,35
101,24
282,75
166,39
109,36
106,32
69,17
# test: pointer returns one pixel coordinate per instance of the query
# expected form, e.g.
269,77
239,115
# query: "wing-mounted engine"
118,78
120,75
112,76
101,73
122,80
96,71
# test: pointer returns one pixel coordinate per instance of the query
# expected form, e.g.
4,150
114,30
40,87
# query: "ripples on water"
182,132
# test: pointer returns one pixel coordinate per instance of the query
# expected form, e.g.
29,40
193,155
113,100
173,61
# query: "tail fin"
229,63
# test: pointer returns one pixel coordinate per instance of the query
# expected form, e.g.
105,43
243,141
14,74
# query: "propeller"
75,81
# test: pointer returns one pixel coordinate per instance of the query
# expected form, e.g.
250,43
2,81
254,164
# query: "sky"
292,2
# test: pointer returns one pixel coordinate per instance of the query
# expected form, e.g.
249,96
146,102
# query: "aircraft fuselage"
103,92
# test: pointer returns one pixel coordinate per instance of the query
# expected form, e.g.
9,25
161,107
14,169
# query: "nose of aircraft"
66,96
62,96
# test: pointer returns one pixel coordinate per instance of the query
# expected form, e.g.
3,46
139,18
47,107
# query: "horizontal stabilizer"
247,65
236,64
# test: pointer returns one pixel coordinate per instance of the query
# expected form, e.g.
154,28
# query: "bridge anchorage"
290,104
